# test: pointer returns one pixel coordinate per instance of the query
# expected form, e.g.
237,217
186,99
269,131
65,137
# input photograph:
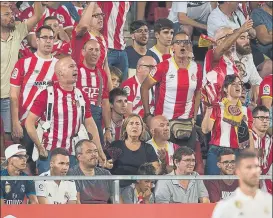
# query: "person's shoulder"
101,171
45,174
117,143
222,207
257,11
129,48
74,171
4,172
216,11
129,81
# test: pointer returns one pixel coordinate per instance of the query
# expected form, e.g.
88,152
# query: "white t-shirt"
56,194
198,11
241,205
217,19
251,74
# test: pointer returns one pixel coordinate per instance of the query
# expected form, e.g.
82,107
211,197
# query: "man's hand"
17,130
109,164
107,136
42,151
162,155
247,25
146,195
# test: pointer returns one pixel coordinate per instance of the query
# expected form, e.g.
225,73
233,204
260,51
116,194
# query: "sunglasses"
185,42
98,15
21,156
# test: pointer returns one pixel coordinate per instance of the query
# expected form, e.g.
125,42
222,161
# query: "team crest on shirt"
22,189
60,18
14,73
7,188
127,90
193,77
266,90
66,195
234,110
41,187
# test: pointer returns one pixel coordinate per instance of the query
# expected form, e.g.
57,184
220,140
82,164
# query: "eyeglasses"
262,118
47,38
189,161
141,31
21,156
226,163
98,15
185,42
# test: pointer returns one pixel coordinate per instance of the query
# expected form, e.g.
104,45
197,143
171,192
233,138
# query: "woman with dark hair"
129,153
229,123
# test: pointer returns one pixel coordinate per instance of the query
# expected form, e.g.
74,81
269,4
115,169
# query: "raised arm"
37,16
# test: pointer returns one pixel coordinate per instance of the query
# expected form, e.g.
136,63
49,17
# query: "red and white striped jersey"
66,117
61,47
116,130
89,82
29,12
161,57
176,89
170,148
25,49
224,134
265,144
32,75
225,65
115,17
79,10
132,88
77,44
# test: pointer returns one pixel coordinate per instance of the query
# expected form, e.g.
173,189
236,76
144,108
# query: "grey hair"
78,146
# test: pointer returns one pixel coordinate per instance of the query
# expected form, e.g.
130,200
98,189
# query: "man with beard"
248,200
164,30
14,192
221,189
90,191
140,35
11,36
263,142
244,55
57,191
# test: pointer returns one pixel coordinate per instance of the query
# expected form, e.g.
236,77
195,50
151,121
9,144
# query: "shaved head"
160,128
60,65
156,120
91,53
147,60
91,42
220,33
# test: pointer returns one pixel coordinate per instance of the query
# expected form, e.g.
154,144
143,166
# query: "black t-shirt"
133,56
128,161
14,192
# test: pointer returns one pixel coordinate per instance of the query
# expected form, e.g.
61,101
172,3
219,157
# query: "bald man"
145,66
12,33
69,110
93,80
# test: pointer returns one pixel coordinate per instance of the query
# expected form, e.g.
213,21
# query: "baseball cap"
14,149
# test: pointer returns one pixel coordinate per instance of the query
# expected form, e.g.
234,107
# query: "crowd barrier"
108,211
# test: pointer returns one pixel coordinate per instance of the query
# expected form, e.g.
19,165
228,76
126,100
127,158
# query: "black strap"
49,111
100,89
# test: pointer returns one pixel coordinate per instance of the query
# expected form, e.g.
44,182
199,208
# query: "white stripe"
83,77
70,120
60,118
121,37
225,130
93,80
171,91
158,54
112,25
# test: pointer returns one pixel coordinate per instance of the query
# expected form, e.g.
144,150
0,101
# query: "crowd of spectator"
77,100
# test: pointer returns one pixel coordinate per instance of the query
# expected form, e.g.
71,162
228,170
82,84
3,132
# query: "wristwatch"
108,128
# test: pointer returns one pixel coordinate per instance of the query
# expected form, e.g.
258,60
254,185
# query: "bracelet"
108,128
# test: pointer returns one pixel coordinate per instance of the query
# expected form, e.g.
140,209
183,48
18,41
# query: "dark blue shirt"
13,192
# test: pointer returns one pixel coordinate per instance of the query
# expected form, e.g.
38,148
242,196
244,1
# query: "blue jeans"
119,59
44,165
211,167
97,116
5,114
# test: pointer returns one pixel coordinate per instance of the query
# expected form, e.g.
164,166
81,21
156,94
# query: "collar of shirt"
10,37
176,182
245,197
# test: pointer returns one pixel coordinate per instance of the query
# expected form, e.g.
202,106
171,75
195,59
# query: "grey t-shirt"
170,191
93,191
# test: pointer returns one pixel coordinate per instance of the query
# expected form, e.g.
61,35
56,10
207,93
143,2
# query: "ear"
219,165
51,164
156,35
111,106
133,36
83,52
152,131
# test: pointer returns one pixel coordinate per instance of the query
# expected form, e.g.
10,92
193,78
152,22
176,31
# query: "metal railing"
117,178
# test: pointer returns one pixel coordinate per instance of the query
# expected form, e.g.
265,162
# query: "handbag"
181,128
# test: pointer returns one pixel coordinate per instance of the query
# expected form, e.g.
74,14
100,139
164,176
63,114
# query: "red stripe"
74,121
119,22
56,118
106,8
182,92
40,77
233,138
65,120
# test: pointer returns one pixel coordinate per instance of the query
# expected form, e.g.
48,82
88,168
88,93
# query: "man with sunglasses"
221,189
140,36
263,142
14,192
178,81
29,77
145,66
164,30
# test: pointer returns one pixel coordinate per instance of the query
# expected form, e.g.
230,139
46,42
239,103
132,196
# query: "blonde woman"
131,152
